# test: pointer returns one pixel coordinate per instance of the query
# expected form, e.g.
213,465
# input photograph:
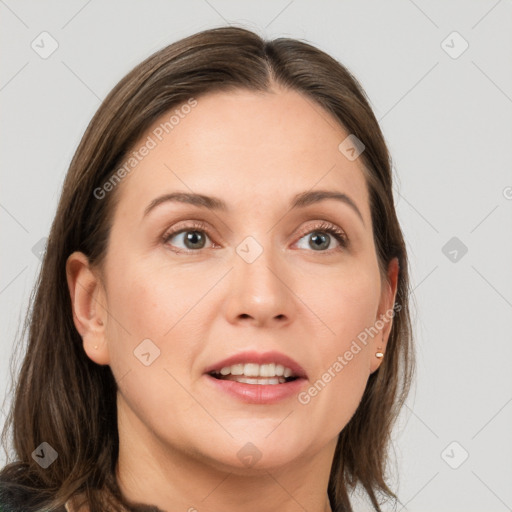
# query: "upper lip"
259,358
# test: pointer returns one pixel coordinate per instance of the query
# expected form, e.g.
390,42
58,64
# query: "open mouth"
252,373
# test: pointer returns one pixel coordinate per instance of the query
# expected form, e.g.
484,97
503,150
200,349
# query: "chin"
249,454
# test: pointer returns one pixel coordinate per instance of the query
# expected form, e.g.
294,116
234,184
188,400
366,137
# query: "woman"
221,320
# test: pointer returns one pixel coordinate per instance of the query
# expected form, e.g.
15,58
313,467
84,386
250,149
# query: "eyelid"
320,226
188,225
328,227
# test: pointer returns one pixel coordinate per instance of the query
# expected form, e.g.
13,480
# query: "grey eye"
192,239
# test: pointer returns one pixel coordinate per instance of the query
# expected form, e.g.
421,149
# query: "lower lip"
258,393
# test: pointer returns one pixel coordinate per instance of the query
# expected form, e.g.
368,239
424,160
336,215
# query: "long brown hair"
65,399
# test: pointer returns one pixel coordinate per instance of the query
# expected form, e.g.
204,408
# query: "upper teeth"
257,370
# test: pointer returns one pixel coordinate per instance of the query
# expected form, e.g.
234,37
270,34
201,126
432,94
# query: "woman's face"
257,280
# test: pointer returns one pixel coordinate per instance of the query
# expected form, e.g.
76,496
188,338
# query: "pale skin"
179,437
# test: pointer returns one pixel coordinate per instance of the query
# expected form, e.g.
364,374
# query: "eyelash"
323,227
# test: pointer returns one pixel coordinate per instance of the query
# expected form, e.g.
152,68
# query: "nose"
258,292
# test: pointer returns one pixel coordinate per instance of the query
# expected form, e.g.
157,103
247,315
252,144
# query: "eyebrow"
301,200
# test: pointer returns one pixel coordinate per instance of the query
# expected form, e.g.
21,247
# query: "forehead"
251,148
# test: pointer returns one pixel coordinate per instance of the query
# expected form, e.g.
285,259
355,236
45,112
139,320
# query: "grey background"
448,125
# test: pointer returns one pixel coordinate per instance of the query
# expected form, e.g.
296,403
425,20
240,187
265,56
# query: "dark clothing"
19,500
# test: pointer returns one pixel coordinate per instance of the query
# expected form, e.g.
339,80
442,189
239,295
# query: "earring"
379,354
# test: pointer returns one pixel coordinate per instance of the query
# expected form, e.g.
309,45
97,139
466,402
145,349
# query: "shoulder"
71,506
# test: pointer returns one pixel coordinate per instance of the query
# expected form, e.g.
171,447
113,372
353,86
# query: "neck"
164,476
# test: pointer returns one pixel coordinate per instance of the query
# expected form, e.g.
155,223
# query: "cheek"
137,307
147,326
345,353
348,303
147,300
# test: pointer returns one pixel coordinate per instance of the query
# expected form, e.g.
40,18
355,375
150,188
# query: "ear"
385,314
88,303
